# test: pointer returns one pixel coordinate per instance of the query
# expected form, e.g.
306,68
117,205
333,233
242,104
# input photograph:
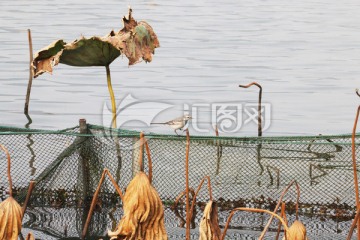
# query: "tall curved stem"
279,203
251,210
112,97
8,170
355,168
259,105
187,185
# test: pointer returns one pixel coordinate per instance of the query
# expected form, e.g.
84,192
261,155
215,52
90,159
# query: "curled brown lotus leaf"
143,212
135,40
297,231
10,219
209,225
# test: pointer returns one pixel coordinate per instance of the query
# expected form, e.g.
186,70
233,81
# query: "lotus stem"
177,200
259,104
251,210
187,185
357,92
353,225
279,203
216,130
8,170
197,191
112,97
93,202
27,100
218,151
141,152
28,195
116,186
149,160
353,153
283,215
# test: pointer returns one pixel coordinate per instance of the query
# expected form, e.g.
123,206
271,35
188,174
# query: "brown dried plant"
209,225
279,203
143,212
297,231
10,211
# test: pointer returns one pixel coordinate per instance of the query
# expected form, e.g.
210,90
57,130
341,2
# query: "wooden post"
85,170
26,108
84,162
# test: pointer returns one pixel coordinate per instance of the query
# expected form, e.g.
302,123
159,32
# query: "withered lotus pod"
209,225
297,231
143,212
10,211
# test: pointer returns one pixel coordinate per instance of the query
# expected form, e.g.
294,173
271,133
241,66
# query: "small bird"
177,123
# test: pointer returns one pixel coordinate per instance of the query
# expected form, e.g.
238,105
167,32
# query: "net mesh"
252,172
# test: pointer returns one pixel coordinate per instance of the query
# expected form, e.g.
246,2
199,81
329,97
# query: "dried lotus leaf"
209,225
10,219
143,212
297,231
136,40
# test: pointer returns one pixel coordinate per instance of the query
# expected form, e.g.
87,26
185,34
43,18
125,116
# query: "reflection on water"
29,146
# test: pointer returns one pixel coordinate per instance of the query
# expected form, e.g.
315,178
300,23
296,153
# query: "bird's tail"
157,123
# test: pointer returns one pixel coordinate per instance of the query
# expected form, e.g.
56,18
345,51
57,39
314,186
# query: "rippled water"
305,54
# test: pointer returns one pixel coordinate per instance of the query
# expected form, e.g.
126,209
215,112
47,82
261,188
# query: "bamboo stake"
355,169
259,105
26,108
187,185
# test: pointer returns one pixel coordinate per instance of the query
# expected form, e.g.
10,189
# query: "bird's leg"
176,132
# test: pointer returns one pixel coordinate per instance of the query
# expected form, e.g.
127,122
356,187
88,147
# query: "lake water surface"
305,54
